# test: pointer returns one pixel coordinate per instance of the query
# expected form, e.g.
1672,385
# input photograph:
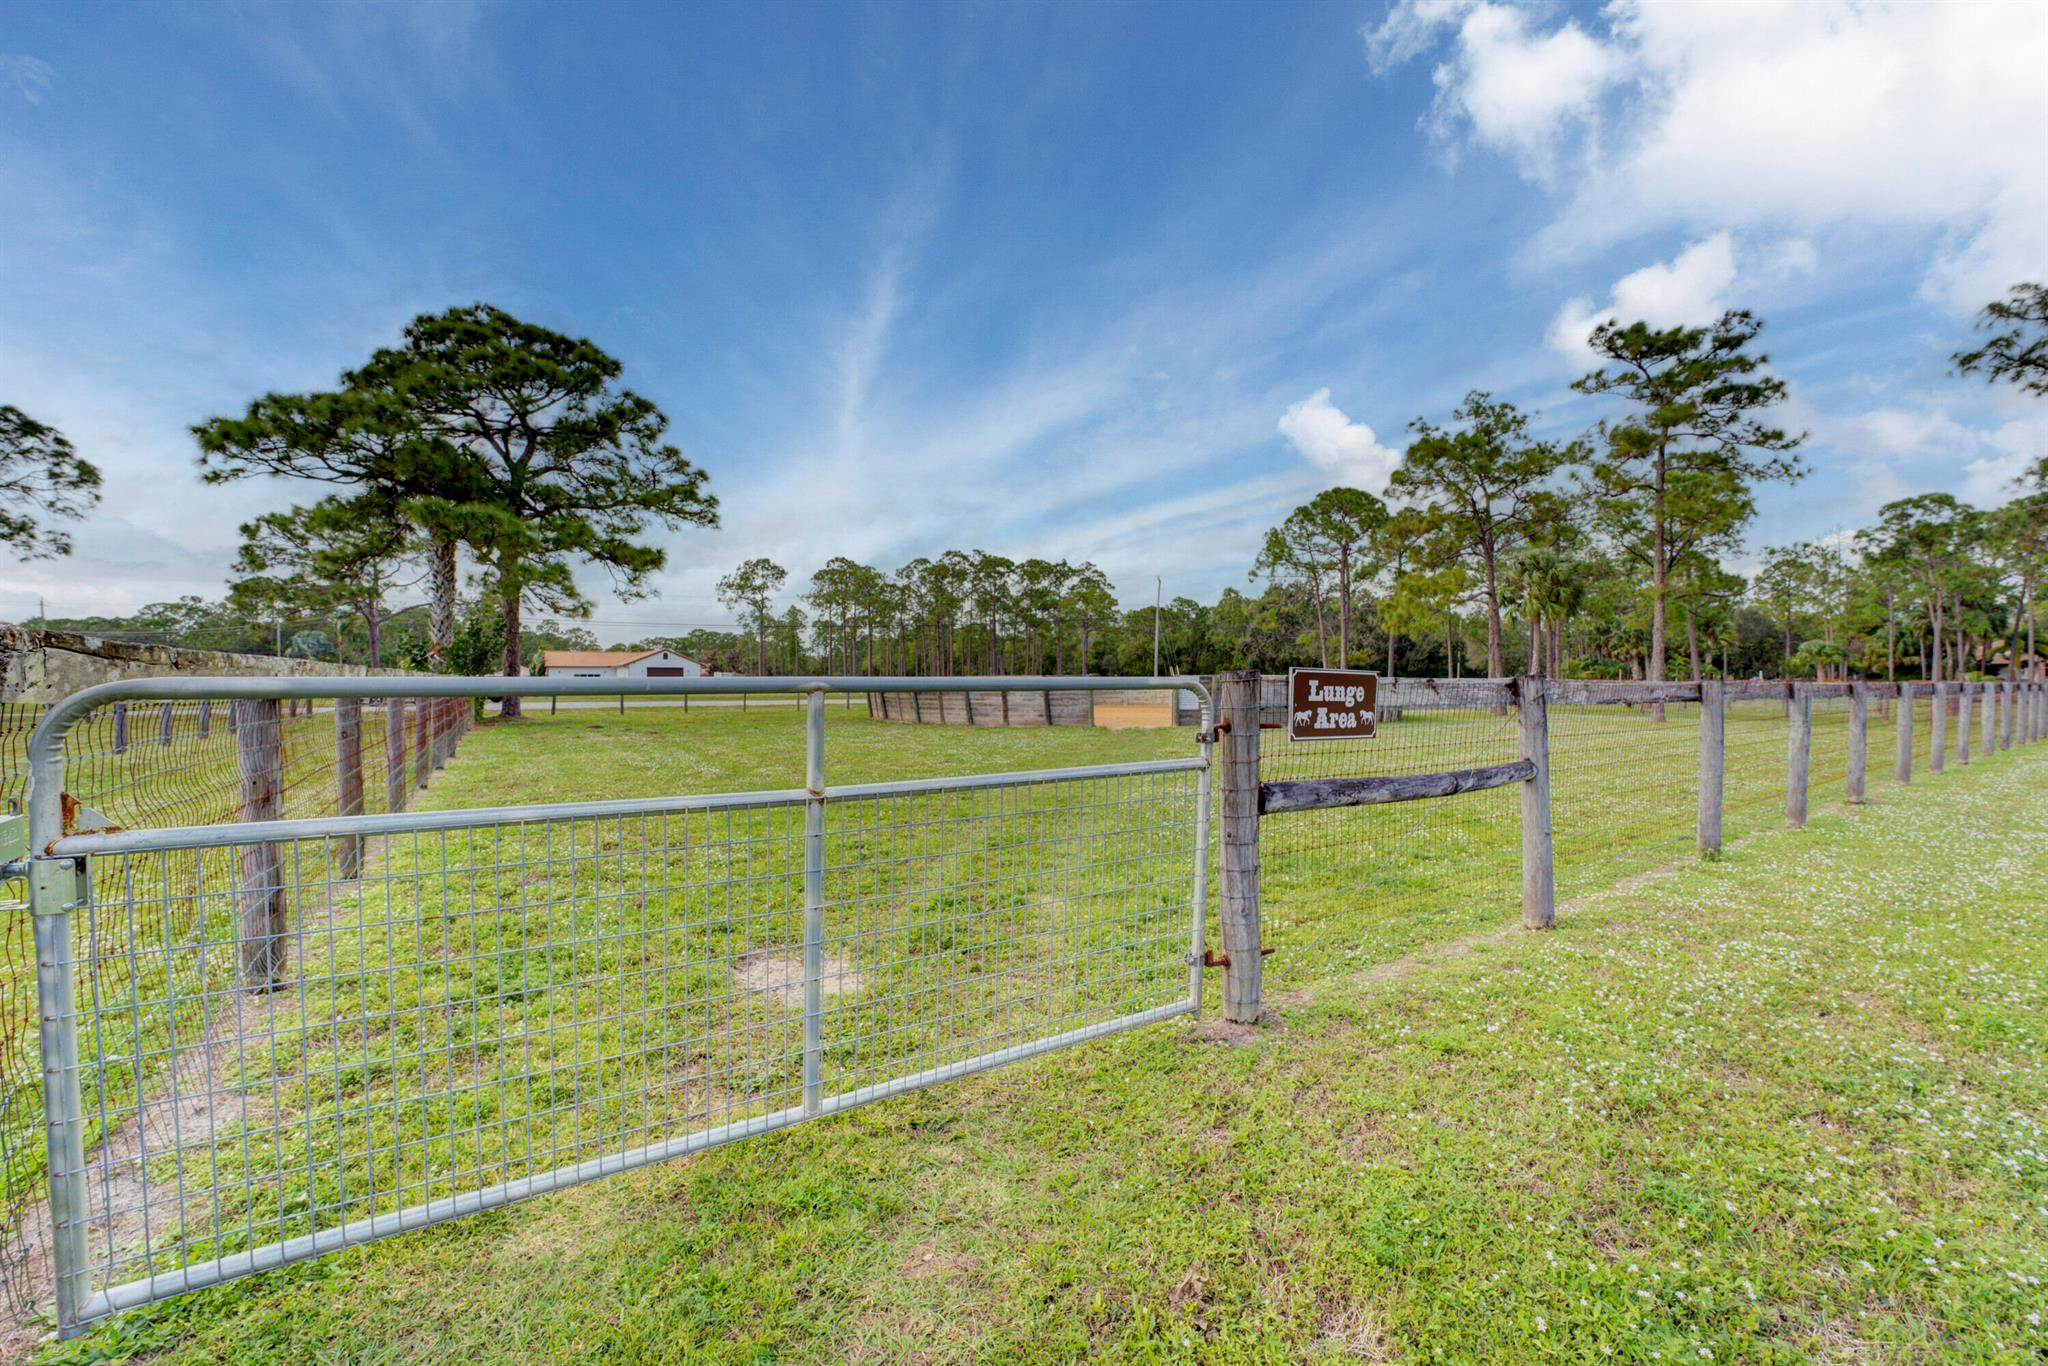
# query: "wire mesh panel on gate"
155,764
501,1003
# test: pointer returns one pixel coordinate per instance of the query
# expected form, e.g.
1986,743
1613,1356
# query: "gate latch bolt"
1212,959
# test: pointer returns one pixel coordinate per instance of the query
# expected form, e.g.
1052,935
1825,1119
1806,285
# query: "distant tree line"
1604,556
1494,552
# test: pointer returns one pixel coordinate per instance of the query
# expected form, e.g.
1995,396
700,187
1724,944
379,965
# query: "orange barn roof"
592,659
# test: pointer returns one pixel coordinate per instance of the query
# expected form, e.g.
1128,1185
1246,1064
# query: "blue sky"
1118,282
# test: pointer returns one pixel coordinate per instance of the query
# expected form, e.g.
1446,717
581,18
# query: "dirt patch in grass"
1354,1332
1219,1030
780,973
928,1261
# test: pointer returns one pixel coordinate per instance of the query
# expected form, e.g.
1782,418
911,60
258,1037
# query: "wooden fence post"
348,782
1798,752
1539,875
259,893
422,743
1988,717
1713,762
1965,700
394,754
2005,707
166,723
205,717
1902,752
1859,740
120,727
1237,781
1937,736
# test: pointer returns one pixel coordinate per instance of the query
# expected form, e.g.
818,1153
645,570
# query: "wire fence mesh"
163,764
289,1045
1359,882
1624,789
505,1003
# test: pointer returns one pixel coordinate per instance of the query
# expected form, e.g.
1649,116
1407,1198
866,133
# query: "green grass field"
1784,1105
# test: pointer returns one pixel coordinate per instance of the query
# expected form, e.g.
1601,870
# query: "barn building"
620,664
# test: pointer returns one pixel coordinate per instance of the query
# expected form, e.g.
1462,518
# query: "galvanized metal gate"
267,1040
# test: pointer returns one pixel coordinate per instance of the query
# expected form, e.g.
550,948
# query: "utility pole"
1158,595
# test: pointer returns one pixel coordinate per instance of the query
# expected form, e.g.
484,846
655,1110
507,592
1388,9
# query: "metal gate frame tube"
55,887
408,822
1198,930
59,882
814,901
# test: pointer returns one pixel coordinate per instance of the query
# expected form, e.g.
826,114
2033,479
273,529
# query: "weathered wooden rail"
1323,794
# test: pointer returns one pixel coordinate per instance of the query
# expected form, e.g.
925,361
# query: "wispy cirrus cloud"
31,78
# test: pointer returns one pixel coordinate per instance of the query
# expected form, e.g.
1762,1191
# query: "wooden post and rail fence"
2011,712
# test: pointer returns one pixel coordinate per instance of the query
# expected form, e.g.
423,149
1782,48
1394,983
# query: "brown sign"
1331,704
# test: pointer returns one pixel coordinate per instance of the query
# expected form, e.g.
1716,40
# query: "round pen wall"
1114,708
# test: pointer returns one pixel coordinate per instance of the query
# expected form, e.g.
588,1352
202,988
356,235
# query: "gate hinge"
1212,959
53,885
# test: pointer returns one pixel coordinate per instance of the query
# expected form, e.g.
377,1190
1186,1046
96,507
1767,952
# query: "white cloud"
1691,288
31,77
1773,115
1898,432
1915,443
2015,447
1408,31
1520,90
1344,450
